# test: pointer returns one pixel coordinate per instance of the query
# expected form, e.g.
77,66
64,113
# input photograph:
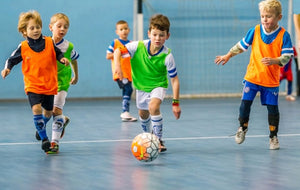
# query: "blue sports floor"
202,154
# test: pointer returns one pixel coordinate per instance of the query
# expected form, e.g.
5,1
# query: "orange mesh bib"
257,72
39,69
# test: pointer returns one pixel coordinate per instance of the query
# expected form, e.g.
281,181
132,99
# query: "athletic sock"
46,119
57,127
273,124
145,123
157,124
40,126
125,103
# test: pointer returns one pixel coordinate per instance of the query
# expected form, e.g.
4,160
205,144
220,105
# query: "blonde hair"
24,20
271,5
58,16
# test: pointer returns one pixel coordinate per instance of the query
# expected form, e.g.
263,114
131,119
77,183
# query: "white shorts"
60,99
143,98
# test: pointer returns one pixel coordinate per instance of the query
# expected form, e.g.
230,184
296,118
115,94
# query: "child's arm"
13,60
223,59
297,28
74,64
109,55
281,61
110,51
65,61
117,57
60,56
5,72
175,103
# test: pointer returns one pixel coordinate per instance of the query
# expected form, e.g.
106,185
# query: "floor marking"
129,140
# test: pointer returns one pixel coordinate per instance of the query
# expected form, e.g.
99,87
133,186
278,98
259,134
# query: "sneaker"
274,143
290,98
46,145
54,149
125,116
37,136
162,147
240,135
67,121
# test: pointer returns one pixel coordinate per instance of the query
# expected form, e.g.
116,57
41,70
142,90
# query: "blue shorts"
268,95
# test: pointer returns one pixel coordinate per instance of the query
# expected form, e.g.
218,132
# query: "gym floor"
202,154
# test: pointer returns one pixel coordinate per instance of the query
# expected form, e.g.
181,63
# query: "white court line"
129,140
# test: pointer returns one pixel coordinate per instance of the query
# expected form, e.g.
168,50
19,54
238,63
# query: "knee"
154,108
37,109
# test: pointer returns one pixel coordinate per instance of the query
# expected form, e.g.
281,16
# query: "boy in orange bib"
38,55
271,49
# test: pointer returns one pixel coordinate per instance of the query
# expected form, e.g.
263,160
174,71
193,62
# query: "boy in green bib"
151,64
59,25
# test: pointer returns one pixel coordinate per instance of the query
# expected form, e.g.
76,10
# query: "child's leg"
59,120
57,127
37,102
289,87
245,109
145,120
156,117
273,118
249,93
47,116
126,96
40,126
39,121
157,124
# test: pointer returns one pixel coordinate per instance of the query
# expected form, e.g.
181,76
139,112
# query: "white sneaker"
274,143
240,135
290,98
125,116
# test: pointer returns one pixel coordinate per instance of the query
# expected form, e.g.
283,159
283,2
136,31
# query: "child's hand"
176,111
5,72
223,59
74,80
118,71
65,61
270,61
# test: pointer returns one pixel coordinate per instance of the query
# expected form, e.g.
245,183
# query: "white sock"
157,124
145,123
57,127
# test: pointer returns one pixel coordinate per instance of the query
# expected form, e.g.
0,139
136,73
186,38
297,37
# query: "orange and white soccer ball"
145,147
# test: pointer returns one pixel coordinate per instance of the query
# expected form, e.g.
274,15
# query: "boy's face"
269,20
59,29
33,30
122,30
158,37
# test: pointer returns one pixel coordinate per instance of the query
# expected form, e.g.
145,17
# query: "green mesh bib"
148,72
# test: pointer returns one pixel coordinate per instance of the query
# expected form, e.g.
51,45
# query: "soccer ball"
145,147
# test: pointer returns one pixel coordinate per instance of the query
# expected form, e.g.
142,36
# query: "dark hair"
159,21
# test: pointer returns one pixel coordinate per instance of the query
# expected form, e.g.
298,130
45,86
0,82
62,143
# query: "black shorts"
45,100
